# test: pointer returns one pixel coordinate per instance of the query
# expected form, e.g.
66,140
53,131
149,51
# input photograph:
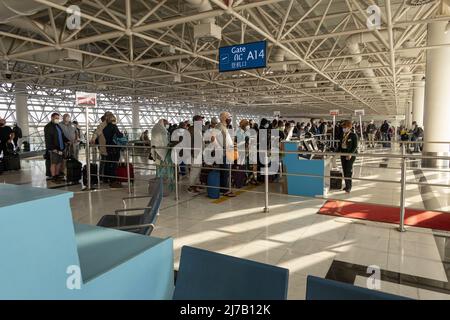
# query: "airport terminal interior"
328,122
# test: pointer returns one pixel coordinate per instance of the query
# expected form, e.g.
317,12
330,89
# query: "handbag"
120,140
232,154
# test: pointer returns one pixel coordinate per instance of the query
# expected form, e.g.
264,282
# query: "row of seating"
206,275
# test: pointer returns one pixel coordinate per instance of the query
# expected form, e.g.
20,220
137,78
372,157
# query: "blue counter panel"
301,185
39,242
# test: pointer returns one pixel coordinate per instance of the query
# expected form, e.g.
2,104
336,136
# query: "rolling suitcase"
12,162
213,188
122,172
73,171
335,183
94,170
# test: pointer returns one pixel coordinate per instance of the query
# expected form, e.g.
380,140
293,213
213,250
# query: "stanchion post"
99,163
266,182
401,227
229,176
88,151
176,175
127,161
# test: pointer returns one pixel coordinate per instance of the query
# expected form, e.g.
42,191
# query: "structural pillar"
408,115
418,101
22,108
437,95
136,115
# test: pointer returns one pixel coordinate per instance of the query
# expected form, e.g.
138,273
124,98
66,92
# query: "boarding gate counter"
296,165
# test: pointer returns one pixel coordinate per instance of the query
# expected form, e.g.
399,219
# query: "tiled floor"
291,235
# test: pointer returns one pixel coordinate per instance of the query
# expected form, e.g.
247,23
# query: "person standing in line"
145,139
416,135
55,141
371,131
17,134
384,130
161,154
323,129
110,132
70,132
79,136
226,143
99,139
196,155
349,144
5,132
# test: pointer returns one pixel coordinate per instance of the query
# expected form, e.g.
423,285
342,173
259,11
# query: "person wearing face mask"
70,132
349,144
160,142
55,141
227,144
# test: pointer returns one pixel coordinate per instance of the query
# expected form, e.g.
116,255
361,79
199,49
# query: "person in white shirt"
227,145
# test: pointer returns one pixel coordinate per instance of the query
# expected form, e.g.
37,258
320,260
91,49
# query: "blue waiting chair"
324,289
206,275
139,223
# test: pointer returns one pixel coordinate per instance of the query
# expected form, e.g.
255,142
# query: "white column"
437,93
22,108
418,102
408,115
136,116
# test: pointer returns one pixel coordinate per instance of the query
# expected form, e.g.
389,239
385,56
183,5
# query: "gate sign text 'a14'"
243,56
85,99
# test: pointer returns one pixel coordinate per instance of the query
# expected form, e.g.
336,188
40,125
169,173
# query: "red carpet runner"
372,212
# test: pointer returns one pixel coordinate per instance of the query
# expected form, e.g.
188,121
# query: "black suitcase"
73,174
336,183
12,162
94,171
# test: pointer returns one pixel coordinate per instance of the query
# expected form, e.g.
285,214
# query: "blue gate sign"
243,56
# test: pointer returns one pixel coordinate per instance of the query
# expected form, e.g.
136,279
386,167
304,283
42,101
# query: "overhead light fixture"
447,28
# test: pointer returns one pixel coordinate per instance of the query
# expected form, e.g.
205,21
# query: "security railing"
130,153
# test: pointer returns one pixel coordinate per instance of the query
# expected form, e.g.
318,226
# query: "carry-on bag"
122,172
73,170
336,183
12,161
213,188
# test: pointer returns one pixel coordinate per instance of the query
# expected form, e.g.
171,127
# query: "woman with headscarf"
160,153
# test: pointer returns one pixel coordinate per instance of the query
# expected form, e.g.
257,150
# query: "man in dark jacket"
55,142
384,130
349,144
17,134
5,132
